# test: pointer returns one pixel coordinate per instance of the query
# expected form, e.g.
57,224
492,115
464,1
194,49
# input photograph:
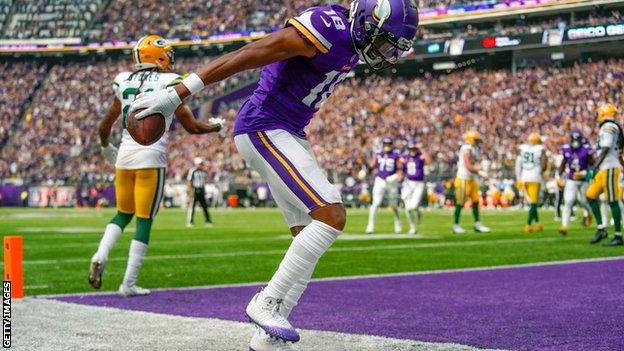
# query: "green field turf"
247,245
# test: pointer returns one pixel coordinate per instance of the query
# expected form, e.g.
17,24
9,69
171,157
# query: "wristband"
193,83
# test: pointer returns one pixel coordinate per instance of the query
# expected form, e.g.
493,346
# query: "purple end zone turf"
576,306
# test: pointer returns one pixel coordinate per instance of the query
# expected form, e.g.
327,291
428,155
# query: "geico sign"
596,32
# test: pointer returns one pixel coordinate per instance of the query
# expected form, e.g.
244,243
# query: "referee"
197,181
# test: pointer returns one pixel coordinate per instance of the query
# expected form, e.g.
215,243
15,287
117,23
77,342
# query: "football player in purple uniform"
413,189
387,164
302,63
577,159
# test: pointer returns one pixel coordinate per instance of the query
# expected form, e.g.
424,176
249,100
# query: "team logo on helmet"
382,30
153,51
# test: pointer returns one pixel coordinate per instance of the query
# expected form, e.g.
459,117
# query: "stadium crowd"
56,136
100,20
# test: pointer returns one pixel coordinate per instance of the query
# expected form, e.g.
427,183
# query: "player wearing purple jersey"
302,64
389,173
577,159
414,161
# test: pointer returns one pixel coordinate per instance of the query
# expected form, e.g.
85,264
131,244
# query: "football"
148,130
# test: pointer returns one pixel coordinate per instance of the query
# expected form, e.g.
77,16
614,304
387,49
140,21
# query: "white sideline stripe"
282,251
343,237
40,328
373,276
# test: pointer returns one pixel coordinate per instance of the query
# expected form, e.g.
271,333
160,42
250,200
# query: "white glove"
218,121
164,102
483,174
110,154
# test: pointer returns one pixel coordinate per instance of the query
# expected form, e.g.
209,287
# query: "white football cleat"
96,270
129,291
208,225
398,227
480,228
457,229
189,225
412,231
370,229
264,312
261,341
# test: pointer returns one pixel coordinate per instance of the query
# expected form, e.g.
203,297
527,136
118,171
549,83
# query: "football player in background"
414,162
530,165
466,184
139,170
302,63
577,159
389,168
606,174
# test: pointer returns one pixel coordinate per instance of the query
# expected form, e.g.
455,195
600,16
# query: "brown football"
145,131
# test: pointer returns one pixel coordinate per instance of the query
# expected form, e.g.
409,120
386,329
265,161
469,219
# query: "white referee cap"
197,161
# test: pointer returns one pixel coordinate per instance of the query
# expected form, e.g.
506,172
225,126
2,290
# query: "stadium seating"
49,18
101,20
59,140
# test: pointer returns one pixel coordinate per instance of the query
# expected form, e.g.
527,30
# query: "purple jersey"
291,91
414,167
387,163
577,160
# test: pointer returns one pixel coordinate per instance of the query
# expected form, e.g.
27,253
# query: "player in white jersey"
139,170
530,166
606,174
466,185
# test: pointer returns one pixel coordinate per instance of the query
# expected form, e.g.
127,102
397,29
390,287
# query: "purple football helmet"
382,30
387,143
411,147
576,139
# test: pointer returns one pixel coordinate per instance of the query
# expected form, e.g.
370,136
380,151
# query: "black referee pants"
199,195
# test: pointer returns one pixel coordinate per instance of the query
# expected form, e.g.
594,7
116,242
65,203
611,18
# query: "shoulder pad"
320,26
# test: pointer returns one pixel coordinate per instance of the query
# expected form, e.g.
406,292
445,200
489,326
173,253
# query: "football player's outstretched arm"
114,111
282,45
194,126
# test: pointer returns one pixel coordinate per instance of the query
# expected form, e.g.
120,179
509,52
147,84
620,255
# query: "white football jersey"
127,86
462,171
608,137
531,163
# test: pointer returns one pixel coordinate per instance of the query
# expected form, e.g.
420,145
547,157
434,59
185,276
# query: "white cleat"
398,228
129,291
457,229
480,228
412,231
189,225
208,225
370,229
261,341
96,270
264,311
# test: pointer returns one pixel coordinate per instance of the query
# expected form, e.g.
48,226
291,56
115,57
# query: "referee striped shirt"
197,177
